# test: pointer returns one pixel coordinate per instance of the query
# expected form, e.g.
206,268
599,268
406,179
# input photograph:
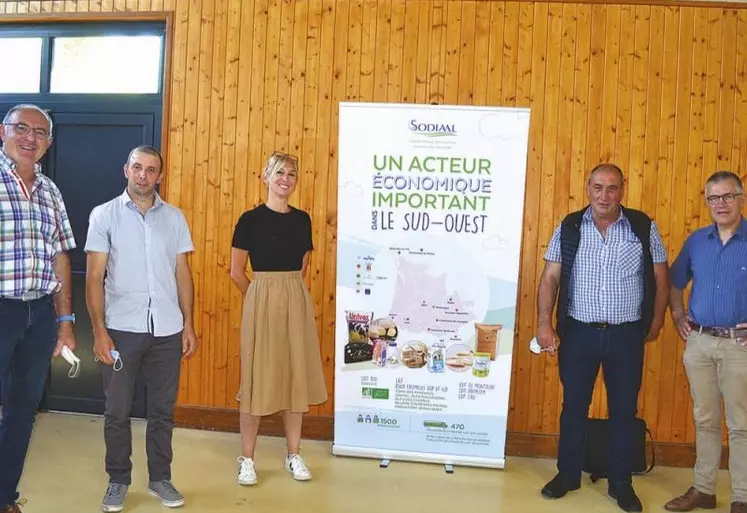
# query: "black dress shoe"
625,496
559,486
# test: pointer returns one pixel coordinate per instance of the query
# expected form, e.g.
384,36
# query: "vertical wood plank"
485,58
285,77
554,176
580,108
410,51
437,60
466,53
71,5
492,89
622,129
665,172
533,223
739,151
727,92
353,68
520,89
108,6
383,33
678,209
270,120
396,52
368,50
143,5
35,6
611,84
451,61
423,53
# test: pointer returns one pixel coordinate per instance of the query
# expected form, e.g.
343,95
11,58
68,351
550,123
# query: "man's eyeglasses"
24,129
727,198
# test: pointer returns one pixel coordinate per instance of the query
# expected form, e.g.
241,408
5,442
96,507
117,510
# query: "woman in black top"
281,366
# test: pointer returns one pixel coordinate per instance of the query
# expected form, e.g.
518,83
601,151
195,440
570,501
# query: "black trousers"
160,359
619,350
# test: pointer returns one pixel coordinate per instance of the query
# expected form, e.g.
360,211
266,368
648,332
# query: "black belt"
719,332
601,326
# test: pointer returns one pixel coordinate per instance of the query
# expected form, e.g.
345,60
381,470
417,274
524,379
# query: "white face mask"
73,360
117,366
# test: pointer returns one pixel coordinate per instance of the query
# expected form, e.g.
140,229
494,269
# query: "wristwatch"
63,318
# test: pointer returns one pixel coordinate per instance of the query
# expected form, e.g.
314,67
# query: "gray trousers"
160,359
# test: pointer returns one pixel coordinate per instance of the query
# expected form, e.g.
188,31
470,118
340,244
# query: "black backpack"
597,449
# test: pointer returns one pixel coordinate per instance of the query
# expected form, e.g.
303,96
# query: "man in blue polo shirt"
607,267
715,358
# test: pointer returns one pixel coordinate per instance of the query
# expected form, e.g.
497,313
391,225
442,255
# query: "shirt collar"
741,231
127,201
587,217
7,164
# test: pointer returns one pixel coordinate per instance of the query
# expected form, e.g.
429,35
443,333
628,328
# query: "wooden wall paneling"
339,88
466,53
131,5
520,92
665,171
423,45
35,6
695,159
713,84
215,283
410,50
640,53
553,177
678,220
540,196
728,86
353,60
451,59
490,26
314,187
270,121
739,145
382,43
436,60
285,77
486,50
622,129
324,258
226,344
200,393
652,122
396,52
190,385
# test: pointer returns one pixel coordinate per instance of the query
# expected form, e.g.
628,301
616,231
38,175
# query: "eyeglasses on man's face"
23,129
729,197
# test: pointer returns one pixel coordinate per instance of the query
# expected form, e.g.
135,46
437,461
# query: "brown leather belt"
719,332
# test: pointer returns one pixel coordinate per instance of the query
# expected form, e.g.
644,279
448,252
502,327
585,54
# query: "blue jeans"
619,350
28,336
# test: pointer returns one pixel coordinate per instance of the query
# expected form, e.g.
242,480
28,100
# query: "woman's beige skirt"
281,368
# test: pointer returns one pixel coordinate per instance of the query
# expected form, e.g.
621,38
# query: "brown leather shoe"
11,508
738,507
692,499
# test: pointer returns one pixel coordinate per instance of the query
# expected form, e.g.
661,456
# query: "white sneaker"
247,472
295,465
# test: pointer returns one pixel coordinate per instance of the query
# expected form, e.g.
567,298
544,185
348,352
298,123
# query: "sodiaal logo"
428,129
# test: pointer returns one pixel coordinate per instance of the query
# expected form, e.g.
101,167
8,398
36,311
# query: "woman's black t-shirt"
275,241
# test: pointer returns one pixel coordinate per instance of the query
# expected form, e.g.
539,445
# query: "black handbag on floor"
597,449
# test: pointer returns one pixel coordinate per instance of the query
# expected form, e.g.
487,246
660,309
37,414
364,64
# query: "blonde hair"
277,161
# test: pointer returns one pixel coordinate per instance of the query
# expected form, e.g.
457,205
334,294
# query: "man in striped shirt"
607,267
35,299
714,258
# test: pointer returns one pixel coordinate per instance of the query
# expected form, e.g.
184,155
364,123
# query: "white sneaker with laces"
296,466
247,472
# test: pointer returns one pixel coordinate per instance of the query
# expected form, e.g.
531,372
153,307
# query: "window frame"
48,32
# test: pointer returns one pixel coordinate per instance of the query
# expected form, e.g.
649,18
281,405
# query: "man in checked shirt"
35,299
610,268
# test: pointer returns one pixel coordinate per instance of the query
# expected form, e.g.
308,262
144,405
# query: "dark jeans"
160,359
28,336
619,349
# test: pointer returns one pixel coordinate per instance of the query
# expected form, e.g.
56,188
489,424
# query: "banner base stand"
448,461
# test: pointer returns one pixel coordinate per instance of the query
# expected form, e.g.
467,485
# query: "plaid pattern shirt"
34,228
607,278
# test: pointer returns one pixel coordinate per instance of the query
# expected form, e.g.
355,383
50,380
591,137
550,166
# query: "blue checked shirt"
719,275
34,228
607,278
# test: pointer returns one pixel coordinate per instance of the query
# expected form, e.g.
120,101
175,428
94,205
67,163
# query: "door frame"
99,18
